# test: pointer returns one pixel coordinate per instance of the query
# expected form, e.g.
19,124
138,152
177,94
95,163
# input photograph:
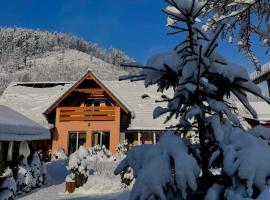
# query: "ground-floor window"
101,138
76,139
142,137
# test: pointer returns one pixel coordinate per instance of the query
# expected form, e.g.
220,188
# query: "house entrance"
76,139
101,138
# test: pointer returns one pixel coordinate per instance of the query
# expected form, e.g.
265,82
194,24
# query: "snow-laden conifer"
234,163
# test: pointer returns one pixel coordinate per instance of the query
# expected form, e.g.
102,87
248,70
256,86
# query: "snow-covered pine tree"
7,185
202,81
37,170
24,176
244,19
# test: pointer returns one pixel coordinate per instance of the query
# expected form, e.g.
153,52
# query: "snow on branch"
158,166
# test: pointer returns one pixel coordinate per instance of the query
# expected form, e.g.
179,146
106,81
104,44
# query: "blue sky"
136,27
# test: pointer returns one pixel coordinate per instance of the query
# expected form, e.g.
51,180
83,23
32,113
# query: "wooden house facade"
86,114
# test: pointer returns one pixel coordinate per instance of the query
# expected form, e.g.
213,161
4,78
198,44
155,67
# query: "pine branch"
176,32
142,67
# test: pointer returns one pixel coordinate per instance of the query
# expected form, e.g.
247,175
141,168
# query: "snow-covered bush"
59,154
29,174
85,163
24,178
127,177
202,81
122,148
38,170
8,185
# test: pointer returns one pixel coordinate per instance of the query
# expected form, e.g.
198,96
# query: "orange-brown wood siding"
76,111
61,137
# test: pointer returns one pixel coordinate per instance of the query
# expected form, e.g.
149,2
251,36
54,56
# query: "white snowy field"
54,188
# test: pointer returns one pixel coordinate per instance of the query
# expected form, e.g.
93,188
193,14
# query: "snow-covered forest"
32,55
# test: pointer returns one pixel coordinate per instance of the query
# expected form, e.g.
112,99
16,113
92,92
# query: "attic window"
145,96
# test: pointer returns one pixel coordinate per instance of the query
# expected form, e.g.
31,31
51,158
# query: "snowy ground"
54,188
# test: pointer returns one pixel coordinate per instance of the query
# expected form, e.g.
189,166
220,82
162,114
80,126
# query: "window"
76,139
101,138
108,103
88,102
96,103
91,102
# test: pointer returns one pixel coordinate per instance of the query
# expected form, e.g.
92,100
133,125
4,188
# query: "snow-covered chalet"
89,111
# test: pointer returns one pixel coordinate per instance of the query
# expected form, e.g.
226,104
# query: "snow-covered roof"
258,74
142,102
16,127
262,108
32,101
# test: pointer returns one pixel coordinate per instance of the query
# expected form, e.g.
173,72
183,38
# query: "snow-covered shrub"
29,174
38,170
59,154
127,174
123,148
127,177
95,161
8,185
202,81
24,178
99,151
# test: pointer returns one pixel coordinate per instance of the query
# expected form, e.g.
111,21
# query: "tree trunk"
203,152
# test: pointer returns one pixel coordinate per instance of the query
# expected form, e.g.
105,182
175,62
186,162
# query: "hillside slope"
31,55
67,65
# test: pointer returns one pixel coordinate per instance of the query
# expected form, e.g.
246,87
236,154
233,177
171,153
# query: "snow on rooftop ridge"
259,73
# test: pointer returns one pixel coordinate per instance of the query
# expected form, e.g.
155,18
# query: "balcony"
100,113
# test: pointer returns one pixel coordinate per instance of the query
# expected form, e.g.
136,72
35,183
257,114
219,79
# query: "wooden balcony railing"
101,113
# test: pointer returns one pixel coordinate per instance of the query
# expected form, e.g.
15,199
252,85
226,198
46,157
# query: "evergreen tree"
202,81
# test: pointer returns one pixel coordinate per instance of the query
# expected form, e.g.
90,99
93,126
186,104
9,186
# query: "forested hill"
32,55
